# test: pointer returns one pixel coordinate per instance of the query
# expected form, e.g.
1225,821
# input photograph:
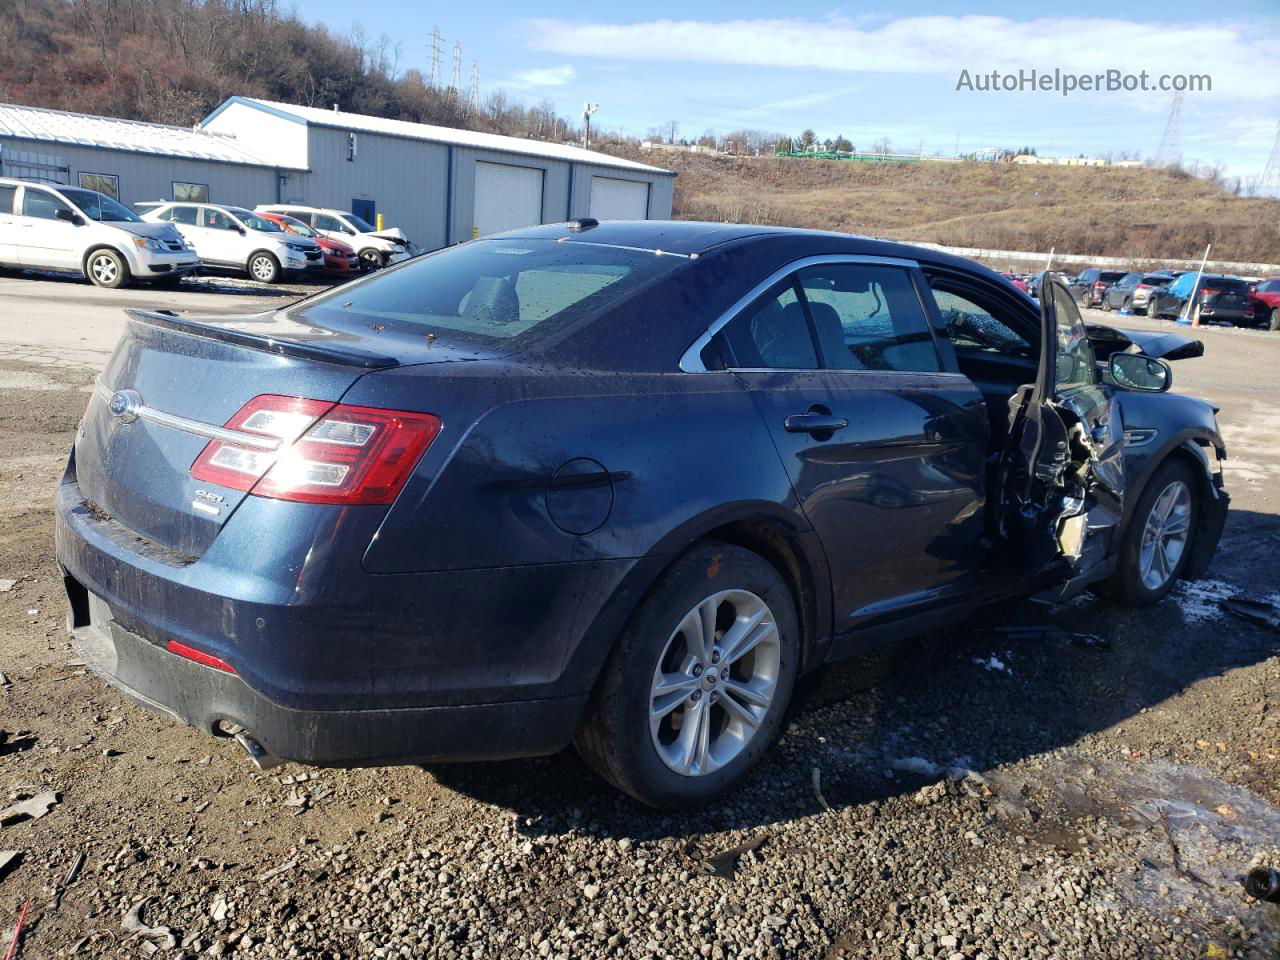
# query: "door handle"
814,423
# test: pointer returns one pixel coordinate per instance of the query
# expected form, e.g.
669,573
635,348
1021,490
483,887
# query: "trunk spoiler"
269,340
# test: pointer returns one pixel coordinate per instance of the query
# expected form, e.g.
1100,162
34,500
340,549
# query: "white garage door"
614,199
507,197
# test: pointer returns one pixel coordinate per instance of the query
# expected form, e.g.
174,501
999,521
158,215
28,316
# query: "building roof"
342,120
111,133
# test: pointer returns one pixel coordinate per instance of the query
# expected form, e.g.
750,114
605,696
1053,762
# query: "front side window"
38,203
971,327
333,224
361,225
491,292
216,220
868,317
6,198
191,192
773,333
255,222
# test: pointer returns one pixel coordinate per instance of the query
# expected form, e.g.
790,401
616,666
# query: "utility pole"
434,82
1169,153
456,84
587,110
1269,183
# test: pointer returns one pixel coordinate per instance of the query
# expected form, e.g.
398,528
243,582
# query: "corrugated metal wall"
150,177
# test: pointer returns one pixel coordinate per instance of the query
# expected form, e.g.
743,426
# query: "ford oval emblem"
125,405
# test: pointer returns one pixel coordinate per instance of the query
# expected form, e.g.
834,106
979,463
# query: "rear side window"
6,199
868,317
185,215
37,203
325,222
773,333
490,292
972,327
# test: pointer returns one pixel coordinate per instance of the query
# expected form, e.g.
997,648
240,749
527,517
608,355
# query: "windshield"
255,222
98,206
490,292
360,225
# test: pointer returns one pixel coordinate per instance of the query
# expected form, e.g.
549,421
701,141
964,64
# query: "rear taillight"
326,453
1098,285
1208,292
1141,286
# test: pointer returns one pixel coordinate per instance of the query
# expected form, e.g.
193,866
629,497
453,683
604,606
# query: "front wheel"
698,683
371,260
1157,542
265,268
106,268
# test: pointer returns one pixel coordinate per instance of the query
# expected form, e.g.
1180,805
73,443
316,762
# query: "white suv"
70,230
234,238
376,248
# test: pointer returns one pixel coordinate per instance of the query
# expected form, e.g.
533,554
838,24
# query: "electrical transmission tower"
456,85
1269,182
473,101
434,82
1170,152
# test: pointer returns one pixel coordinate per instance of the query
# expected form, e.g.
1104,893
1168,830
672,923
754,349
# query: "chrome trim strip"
195,427
691,359
623,246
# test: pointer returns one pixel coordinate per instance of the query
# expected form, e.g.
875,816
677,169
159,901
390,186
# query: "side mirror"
1137,371
62,213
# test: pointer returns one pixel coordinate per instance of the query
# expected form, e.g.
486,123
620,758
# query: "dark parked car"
1088,286
1133,290
1220,299
615,484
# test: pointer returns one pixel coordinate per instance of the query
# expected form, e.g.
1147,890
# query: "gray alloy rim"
1164,538
714,682
105,269
372,259
262,268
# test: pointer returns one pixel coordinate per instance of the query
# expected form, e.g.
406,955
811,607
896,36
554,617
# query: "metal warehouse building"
438,184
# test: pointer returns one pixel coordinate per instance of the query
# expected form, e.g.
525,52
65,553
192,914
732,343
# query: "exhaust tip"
259,757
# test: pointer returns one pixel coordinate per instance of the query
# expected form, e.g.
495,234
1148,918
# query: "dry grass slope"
1099,211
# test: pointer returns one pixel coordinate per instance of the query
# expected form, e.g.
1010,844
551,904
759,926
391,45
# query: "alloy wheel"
714,682
263,269
1165,535
105,270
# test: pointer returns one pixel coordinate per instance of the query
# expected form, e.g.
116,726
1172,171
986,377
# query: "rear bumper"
207,698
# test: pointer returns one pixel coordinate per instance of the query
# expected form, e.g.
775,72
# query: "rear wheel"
698,683
106,268
265,268
1156,545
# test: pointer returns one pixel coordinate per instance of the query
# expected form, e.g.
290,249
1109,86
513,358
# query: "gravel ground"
977,794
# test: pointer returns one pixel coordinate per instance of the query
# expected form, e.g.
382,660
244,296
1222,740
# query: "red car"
339,258
1266,302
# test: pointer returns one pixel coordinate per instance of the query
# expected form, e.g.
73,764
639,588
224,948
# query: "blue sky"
849,69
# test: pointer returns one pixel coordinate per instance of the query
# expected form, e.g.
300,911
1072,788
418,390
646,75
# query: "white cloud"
544,77
1241,58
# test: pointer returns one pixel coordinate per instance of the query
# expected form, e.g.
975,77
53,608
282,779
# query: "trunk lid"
170,385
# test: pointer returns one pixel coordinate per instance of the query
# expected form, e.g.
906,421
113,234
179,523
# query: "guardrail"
1245,268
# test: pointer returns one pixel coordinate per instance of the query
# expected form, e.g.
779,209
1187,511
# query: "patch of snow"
1197,600
992,663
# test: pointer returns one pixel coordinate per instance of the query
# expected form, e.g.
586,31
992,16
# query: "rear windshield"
1155,280
1223,283
1110,276
490,292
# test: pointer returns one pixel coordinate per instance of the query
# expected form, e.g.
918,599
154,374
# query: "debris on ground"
817,789
9,859
133,925
16,940
1259,612
7,585
31,809
283,868
725,864
76,865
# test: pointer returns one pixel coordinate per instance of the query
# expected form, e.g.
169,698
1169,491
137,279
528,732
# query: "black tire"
264,267
1106,304
1126,584
371,260
1128,305
106,268
614,738
1275,320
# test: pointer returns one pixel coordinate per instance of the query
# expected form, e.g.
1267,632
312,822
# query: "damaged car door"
1062,473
